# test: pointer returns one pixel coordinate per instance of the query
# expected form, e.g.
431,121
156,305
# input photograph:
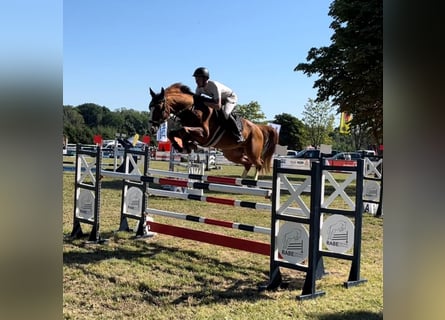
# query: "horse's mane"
178,86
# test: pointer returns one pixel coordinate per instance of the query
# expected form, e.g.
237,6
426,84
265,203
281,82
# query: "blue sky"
114,51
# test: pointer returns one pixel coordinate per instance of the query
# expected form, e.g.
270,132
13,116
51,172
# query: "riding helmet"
201,72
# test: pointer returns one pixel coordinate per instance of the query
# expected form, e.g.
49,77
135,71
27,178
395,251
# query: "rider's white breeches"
229,105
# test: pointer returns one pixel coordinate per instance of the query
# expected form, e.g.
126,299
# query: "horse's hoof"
178,148
188,150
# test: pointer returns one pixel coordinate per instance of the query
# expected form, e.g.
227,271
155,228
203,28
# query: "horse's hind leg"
246,170
257,172
237,156
253,150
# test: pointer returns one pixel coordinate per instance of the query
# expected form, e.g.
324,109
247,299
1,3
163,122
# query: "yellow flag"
135,139
344,122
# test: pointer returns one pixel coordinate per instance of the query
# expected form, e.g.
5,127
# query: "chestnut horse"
198,124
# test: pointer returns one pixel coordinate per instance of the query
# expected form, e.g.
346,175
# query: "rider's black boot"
235,127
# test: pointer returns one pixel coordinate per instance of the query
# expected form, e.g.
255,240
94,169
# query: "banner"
344,122
276,126
161,135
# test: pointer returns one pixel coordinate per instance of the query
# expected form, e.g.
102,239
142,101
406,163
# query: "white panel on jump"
85,169
85,204
295,196
337,233
133,201
295,163
371,168
371,190
340,188
195,168
292,242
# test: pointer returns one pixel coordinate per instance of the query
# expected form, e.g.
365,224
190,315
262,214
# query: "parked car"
291,153
343,159
311,154
346,156
70,149
108,152
370,154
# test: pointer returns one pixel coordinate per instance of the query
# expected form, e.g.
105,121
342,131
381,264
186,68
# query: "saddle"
223,124
236,118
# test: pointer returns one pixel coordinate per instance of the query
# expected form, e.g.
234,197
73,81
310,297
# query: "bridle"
165,111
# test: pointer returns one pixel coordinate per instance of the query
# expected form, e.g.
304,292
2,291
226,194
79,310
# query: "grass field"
171,278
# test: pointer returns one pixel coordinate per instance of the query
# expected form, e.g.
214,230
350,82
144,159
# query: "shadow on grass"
112,184
351,315
210,280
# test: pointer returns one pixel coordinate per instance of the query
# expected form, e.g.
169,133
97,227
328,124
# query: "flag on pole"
276,126
97,139
345,118
135,139
146,139
161,135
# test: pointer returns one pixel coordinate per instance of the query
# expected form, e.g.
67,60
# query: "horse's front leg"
197,132
182,141
173,136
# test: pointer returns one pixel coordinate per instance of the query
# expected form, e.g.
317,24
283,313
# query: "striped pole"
121,175
229,202
208,186
204,178
211,238
189,184
214,179
220,223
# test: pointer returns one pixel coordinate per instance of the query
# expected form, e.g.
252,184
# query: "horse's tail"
270,142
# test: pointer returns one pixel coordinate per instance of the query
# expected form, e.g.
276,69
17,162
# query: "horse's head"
159,111
174,100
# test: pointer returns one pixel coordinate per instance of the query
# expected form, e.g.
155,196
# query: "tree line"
82,122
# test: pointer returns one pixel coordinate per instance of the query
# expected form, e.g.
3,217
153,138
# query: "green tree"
251,111
93,114
71,116
342,142
291,131
112,119
319,121
74,127
351,69
81,123
132,121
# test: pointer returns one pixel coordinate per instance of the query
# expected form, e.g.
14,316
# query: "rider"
219,97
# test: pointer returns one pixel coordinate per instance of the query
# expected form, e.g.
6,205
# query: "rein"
178,113
170,112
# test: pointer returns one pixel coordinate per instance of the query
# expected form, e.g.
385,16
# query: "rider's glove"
199,98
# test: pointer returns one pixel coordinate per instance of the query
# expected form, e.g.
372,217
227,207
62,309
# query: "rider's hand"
197,98
208,100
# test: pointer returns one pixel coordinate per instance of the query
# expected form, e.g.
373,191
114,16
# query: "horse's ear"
152,93
162,91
